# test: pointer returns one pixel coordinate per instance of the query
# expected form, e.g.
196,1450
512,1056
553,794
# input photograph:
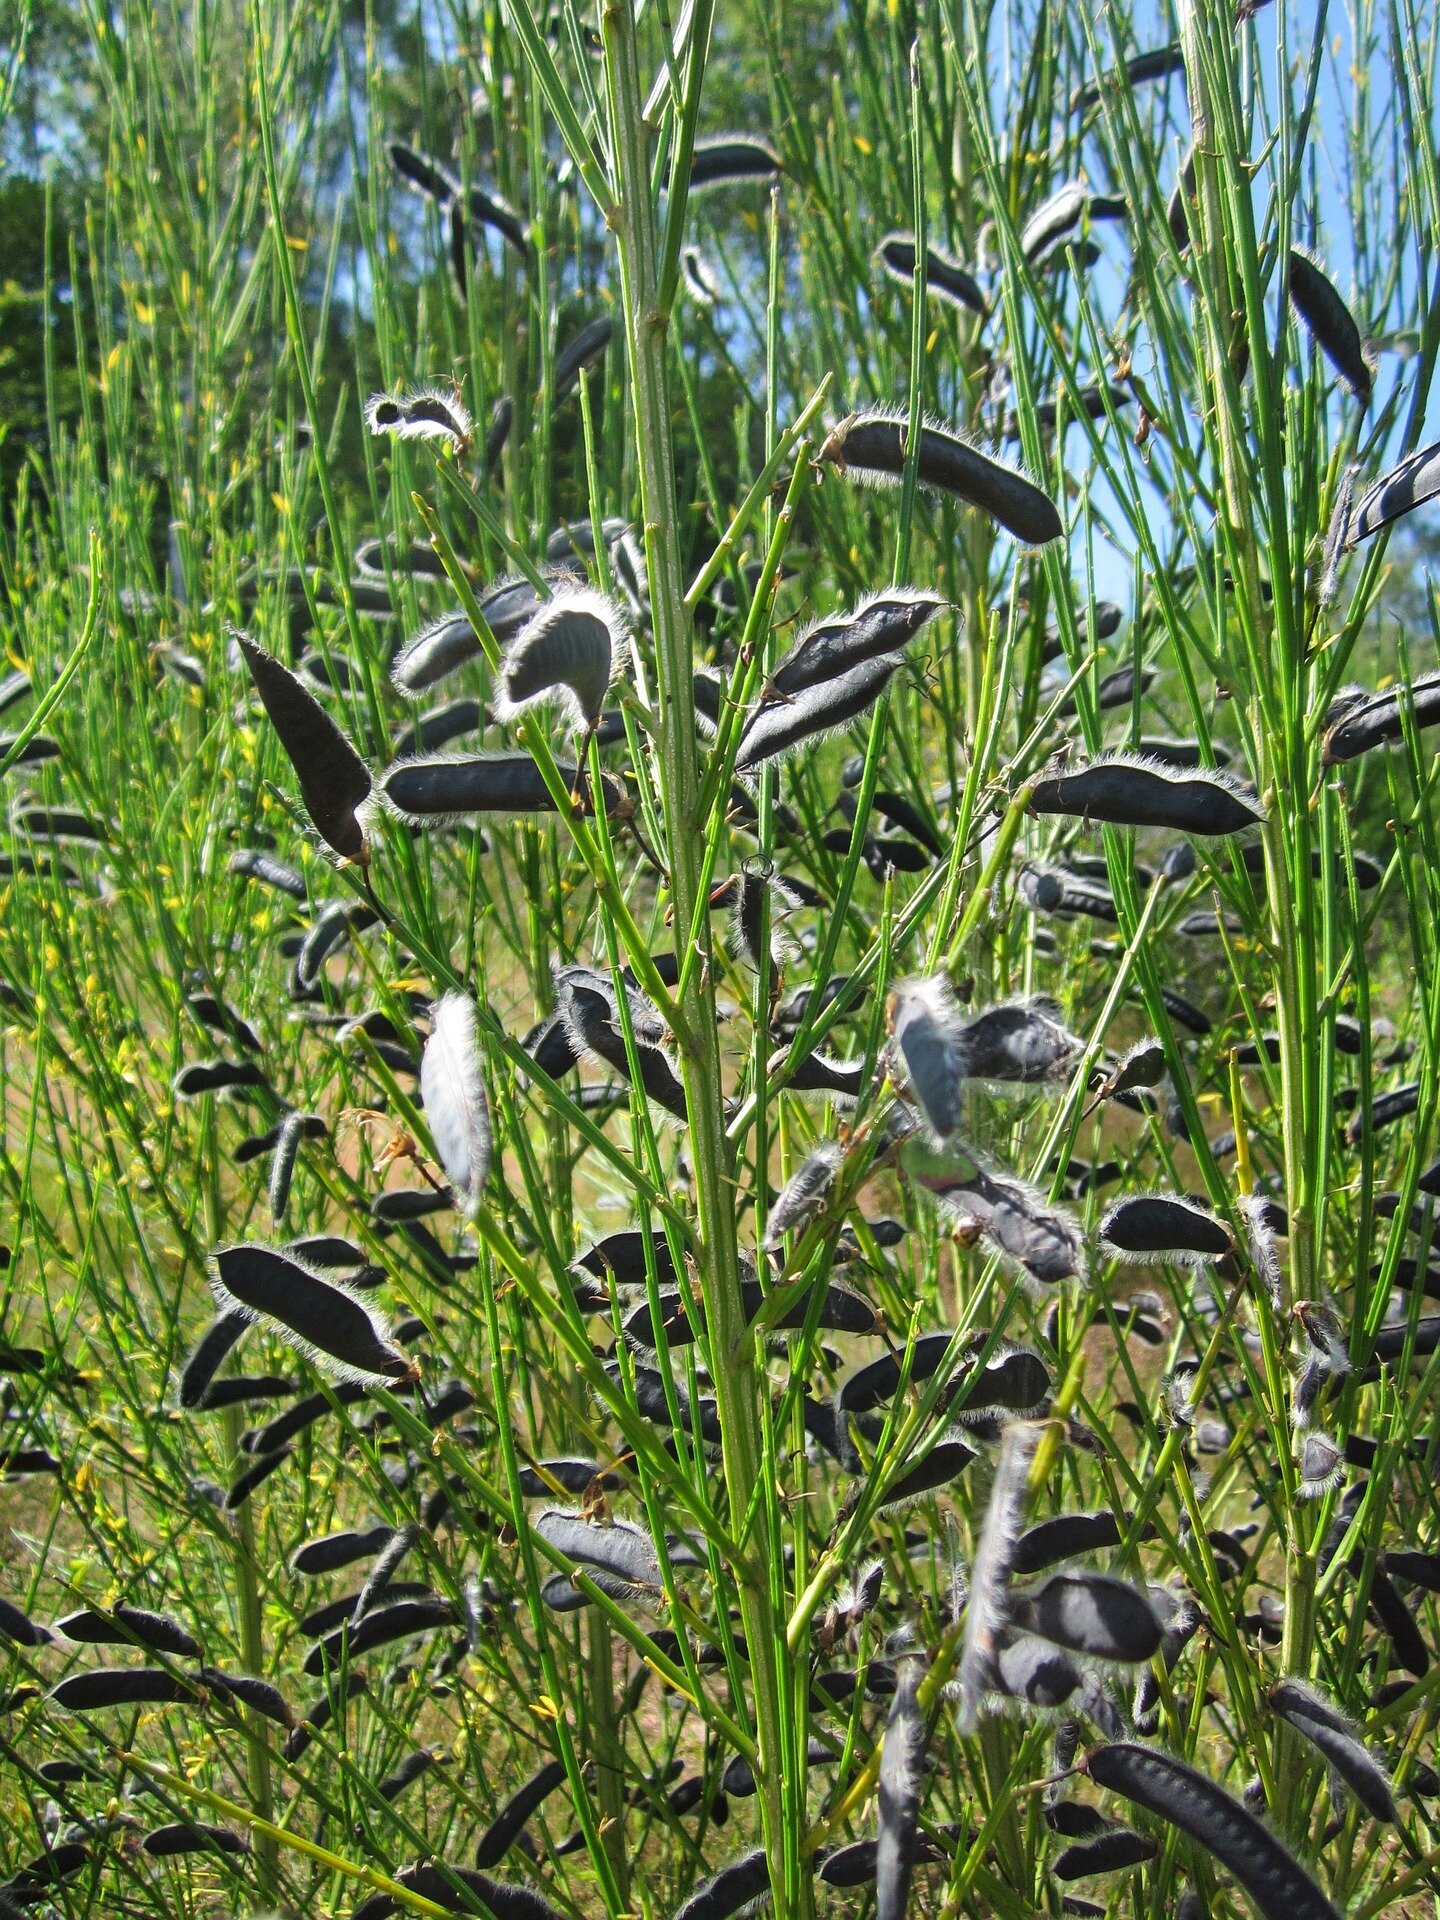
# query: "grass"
231,267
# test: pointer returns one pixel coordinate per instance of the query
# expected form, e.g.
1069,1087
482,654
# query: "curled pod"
334,780
1274,1880
871,448
1061,218
1156,63
567,651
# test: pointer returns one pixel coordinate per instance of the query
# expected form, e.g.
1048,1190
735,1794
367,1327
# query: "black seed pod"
220,1338
1414,482
1092,1613
1319,305
725,159
513,1817
255,864
1106,1853
744,1883
316,1317
334,780
773,728
126,1626
1064,1538
1164,1227
251,1691
1332,1735
192,1836
446,787
1271,1876
121,1687
1129,791
870,446
580,354
402,1621
944,277
902,1760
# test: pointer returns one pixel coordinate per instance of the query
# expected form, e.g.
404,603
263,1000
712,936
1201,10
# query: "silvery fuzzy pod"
987,1604
1410,485
902,1760
429,413
566,650
871,447
927,1033
452,1092
315,1316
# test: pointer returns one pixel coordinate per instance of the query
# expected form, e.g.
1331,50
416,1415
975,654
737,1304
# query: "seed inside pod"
871,448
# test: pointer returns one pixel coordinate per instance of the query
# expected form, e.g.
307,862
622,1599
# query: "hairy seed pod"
944,277
1156,63
429,413
438,650
1410,485
255,864
427,176
121,1687
126,1626
1164,1227
1175,1792
1128,791
940,1468
571,1475
1106,1853
1398,1104
742,1885
1019,1042
317,1317
410,1769
338,1612
294,1128
192,1836
987,1603
805,1193
588,1004
391,1557
445,787
580,354
1380,719
1332,1735
14,687
773,728
1420,1569
927,1031
438,727
568,649
334,780
261,1696
452,1092
319,1716
217,1076
624,1255
1398,1621
820,1073
871,446
1061,217
37,1879
1018,1221
514,1816
902,1760
1013,1379
290,1424
498,432
1318,303
1064,1538
1030,1669
39,748
1321,1466
1094,1614
262,1465
401,1621
244,1390
726,159
219,1339
19,1628
460,1890
622,1550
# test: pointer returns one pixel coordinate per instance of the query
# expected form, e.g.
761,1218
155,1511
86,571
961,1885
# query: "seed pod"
38,1877
460,1890
944,277
1399,1623
805,1193
513,1817
580,354
1398,1104
940,1468
1044,1240
587,1003
1318,303
217,1076
624,1255
1274,1880
1061,217
1420,1569
262,1696
870,446
986,1606
220,1338
319,1716
126,1626
261,1467
391,1556
430,413
1164,1227
192,1836
1129,791
401,1621
436,651
452,1092
318,1318
1321,1466
334,780
742,1885
19,1628
1332,1735
443,788
244,1390
1379,719
1108,1852
569,649
427,176
724,159
1046,890
294,1128
1157,63
746,894
773,728
928,1032
902,1760
255,864
14,687
1030,1669
1091,1613
622,1550
1019,1042
820,1073
1410,485
439,727
878,1381
121,1687
37,749
577,1476
409,1771
338,1612
1064,1538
